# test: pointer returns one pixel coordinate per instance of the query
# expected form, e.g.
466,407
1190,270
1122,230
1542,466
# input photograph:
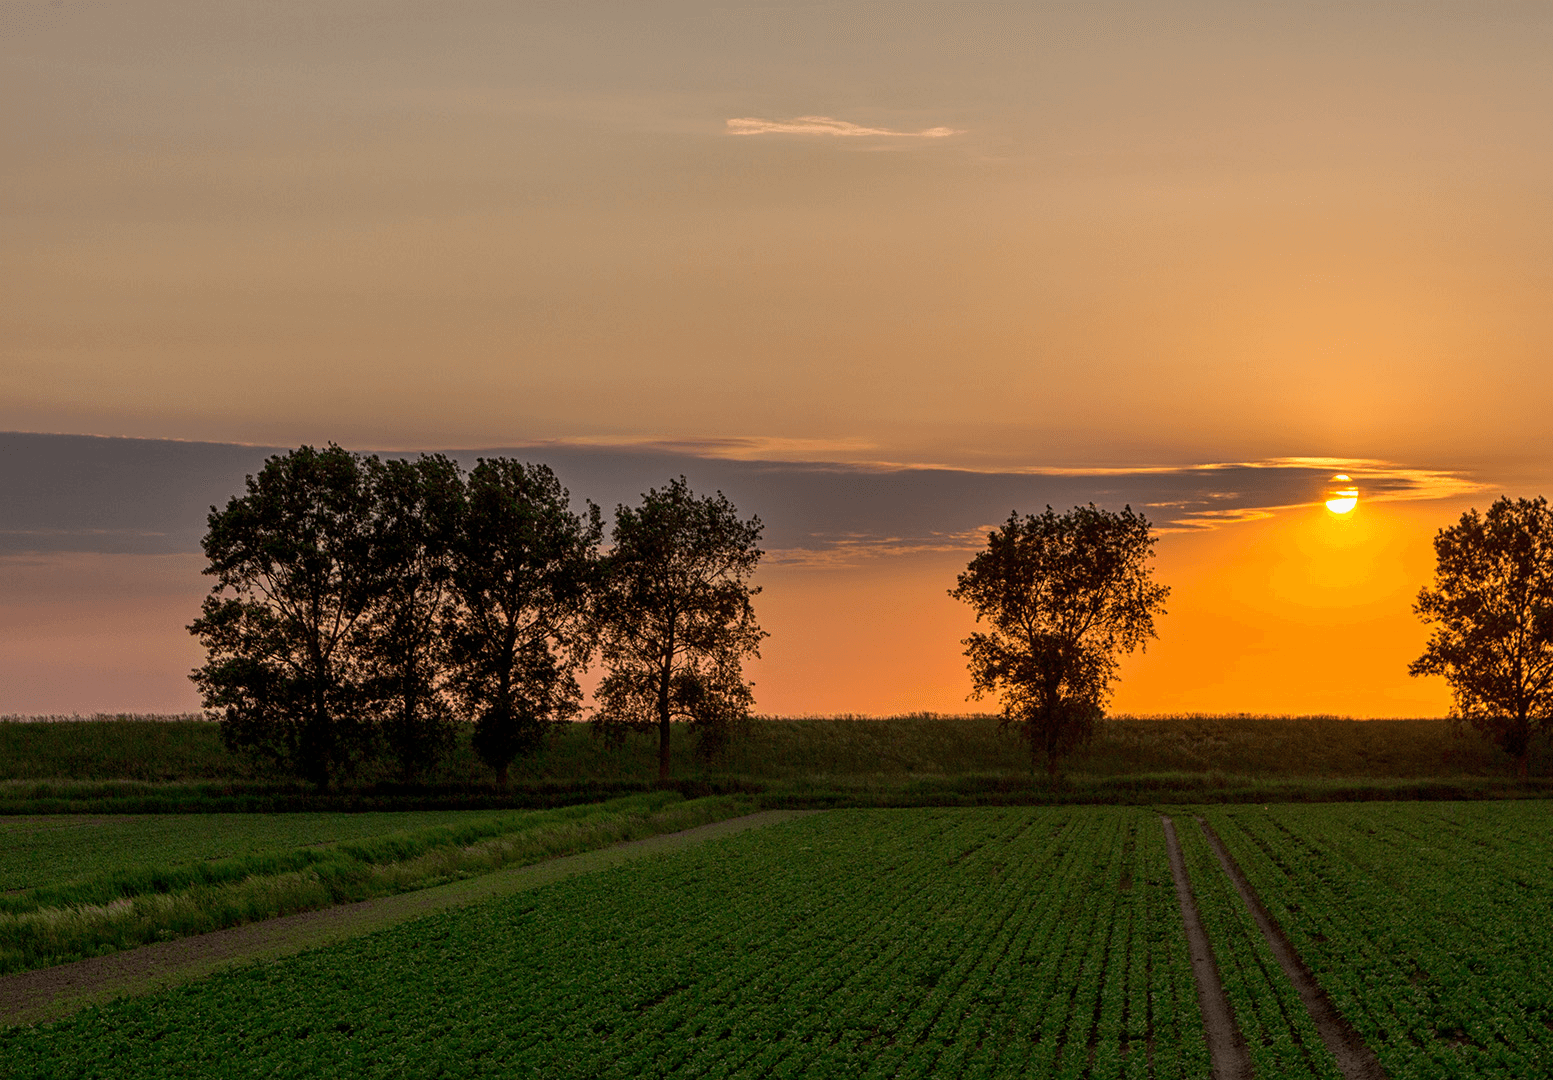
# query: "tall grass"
73,755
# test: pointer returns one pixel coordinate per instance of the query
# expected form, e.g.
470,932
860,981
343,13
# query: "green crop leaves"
943,943
1428,924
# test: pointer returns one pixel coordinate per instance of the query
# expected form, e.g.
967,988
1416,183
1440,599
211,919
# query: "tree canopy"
675,618
363,605
417,510
1492,611
1062,596
296,577
524,568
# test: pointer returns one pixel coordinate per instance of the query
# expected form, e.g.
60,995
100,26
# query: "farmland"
980,943
91,887
1279,1034
62,849
1429,925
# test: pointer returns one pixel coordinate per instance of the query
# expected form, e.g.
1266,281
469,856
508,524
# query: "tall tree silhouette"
296,576
522,572
416,522
676,619
1492,609
1062,596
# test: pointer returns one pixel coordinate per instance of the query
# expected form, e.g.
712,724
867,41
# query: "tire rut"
1356,1060
1227,1050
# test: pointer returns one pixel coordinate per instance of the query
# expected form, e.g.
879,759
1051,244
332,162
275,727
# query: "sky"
882,272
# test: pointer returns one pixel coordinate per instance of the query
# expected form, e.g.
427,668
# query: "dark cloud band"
74,493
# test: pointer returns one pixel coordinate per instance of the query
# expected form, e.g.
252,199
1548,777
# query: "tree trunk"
663,747
1523,764
663,728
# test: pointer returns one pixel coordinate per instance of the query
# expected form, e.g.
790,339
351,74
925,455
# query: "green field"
1429,925
892,943
974,942
1016,941
61,849
151,750
89,887
1280,1036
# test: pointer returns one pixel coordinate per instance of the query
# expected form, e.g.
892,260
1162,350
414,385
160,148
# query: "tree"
522,570
295,579
1062,594
1492,607
417,509
675,618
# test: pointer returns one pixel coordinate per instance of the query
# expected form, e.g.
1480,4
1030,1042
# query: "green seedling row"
944,943
1280,1036
1429,925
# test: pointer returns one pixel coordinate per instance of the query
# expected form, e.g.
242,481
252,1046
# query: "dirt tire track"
1356,1060
1227,1051
55,992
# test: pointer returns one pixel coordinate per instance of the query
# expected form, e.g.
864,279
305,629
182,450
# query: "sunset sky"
882,272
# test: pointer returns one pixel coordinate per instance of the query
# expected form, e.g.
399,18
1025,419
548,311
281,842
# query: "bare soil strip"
51,993
1354,1058
1226,1046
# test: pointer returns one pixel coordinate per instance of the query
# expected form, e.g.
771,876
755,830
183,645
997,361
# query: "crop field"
60,849
949,943
86,888
1280,1036
990,942
1429,925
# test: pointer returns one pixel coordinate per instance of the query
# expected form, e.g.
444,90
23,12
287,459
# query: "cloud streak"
826,125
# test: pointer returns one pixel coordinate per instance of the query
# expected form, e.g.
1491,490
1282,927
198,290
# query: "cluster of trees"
365,606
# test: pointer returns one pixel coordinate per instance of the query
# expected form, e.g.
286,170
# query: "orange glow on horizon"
1303,612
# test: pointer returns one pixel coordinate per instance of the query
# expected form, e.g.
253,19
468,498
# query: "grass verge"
58,924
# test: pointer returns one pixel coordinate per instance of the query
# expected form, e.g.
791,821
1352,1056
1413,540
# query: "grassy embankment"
146,765
93,885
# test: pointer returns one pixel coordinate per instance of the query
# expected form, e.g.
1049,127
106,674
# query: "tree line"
366,607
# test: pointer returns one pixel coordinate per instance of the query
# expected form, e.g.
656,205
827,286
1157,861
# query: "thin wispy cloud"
827,125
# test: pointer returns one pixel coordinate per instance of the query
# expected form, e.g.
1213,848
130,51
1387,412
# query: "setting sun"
1342,500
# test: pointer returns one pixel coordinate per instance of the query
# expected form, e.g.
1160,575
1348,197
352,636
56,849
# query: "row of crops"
1281,1038
1430,925
1017,942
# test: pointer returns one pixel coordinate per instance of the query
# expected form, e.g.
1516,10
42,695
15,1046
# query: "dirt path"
51,993
1356,1060
1226,1047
